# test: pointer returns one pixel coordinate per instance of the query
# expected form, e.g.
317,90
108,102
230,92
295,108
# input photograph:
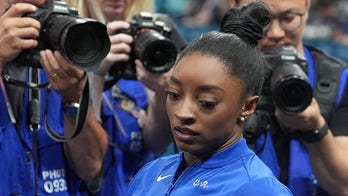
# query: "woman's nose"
185,112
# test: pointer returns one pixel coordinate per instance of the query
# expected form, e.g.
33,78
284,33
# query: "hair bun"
247,22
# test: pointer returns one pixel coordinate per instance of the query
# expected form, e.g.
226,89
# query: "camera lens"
83,42
156,51
291,90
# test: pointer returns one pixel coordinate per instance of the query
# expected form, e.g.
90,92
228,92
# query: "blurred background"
327,26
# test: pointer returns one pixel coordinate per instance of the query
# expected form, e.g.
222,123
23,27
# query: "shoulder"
263,186
322,58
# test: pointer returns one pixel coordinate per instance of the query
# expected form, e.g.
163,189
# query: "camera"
152,45
83,42
285,85
287,81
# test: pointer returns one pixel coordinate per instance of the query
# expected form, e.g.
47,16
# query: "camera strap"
8,79
35,117
35,86
328,80
81,118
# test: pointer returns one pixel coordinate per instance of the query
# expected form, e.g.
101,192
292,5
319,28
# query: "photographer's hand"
309,119
17,33
86,151
119,49
154,81
66,79
120,46
327,152
156,131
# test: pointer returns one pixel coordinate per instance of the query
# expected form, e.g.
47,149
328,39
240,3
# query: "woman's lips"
184,134
115,3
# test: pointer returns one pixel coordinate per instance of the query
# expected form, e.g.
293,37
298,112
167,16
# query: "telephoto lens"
287,79
157,52
291,90
83,42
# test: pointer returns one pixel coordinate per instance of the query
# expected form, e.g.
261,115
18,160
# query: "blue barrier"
333,48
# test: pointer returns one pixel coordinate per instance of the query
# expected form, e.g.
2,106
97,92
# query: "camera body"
152,45
287,80
83,42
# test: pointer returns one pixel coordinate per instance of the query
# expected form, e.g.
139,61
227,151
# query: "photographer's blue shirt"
123,109
235,170
18,171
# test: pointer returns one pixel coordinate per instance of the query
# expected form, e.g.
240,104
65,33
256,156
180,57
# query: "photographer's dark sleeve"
339,123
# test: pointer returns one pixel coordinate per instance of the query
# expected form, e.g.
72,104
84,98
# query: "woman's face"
203,105
114,9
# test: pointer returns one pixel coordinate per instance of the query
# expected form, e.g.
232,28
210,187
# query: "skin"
114,9
204,110
85,152
156,131
328,155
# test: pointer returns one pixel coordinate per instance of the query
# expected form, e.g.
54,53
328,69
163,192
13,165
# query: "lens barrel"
291,90
157,52
82,41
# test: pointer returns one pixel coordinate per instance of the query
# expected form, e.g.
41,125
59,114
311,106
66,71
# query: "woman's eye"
173,96
209,105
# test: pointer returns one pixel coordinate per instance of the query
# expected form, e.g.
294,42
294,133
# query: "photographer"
32,163
307,149
132,106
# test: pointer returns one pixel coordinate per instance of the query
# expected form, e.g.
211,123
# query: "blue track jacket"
234,171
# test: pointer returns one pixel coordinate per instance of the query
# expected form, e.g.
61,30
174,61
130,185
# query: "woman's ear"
250,105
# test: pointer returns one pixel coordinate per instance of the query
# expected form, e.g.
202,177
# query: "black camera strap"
34,115
34,87
81,119
8,79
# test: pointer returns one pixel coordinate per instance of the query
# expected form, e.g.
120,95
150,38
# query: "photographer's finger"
115,26
120,48
119,57
26,22
121,38
26,43
17,9
68,71
47,64
28,33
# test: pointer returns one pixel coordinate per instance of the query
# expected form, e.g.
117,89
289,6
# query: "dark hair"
246,21
244,61
236,47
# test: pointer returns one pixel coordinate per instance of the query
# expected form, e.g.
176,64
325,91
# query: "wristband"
315,135
71,109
